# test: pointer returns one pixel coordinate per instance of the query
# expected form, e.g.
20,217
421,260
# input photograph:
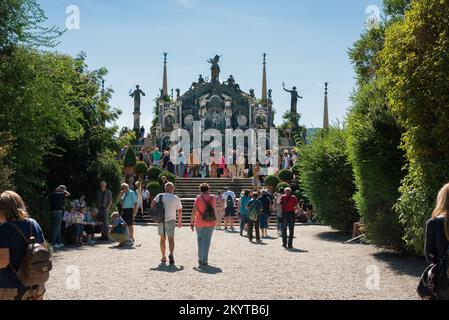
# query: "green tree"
21,22
415,75
327,179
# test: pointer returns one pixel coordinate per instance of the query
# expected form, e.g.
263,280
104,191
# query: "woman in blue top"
12,247
244,199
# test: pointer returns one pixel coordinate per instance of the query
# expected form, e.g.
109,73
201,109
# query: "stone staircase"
188,188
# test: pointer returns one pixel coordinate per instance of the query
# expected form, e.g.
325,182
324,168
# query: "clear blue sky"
306,42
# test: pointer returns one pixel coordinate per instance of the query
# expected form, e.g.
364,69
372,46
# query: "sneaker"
56,246
91,242
171,258
61,245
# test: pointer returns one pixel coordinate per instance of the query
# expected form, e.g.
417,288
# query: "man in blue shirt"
130,204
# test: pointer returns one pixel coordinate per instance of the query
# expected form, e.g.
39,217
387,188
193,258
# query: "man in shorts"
130,205
173,207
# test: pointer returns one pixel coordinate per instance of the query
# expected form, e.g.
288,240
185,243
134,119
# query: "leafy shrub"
170,176
141,168
130,158
286,175
327,179
153,173
154,188
272,181
282,185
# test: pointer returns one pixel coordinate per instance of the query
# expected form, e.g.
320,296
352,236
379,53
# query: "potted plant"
286,175
140,169
153,173
271,182
129,161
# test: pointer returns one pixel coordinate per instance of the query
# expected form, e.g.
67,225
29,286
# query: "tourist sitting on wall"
74,224
89,224
119,231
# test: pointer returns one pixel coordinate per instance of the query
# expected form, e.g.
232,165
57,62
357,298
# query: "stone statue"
178,94
136,95
270,91
294,100
251,92
201,79
215,68
231,81
161,91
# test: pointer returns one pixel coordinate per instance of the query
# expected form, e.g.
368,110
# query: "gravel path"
323,268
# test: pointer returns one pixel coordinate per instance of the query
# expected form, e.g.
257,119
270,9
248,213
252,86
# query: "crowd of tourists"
217,165
79,223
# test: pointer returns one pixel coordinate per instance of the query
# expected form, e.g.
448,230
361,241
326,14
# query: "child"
74,222
119,231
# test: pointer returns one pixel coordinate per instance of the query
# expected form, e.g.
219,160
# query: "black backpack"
435,279
229,202
157,214
209,212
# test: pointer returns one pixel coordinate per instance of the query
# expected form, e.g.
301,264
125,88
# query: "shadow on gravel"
333,236
294,250
168,268
402,264
208,270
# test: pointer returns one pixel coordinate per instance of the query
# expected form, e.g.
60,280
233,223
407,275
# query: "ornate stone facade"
216,105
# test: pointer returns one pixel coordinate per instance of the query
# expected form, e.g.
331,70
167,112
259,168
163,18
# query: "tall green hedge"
415,75
327,179
373,148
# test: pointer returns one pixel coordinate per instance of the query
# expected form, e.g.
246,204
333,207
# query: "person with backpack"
437,244
254,208
230,208
243,211
266,199
172,206
25,261
289,205
204,221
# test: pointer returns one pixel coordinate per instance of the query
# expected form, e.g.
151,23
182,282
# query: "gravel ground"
321,268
